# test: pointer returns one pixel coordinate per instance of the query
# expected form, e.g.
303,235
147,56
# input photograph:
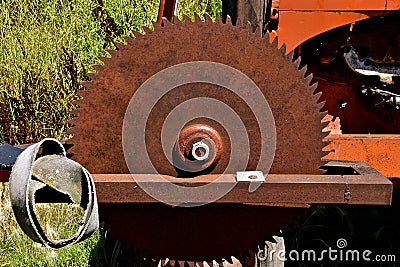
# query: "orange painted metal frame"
382,152
296,27
338,5
300,20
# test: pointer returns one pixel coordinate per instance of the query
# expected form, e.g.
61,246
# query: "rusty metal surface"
188,138
201,233
380,151
97,132
97,140
254,11
366,186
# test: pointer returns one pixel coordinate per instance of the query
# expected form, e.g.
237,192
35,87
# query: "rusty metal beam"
365,186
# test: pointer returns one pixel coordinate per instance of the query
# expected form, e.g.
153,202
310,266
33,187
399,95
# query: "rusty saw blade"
98,128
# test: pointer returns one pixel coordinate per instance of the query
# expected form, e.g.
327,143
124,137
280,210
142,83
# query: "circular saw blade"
197,232
97,131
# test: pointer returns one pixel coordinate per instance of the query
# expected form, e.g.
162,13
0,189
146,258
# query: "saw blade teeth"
112,53
303,71
323,113
70,143
324,154
325,134
228,259
137,34
191,263
218,20
257,31
105,60
73,120
186,19
326,145
275,42
317,97
77,103
239,23
326,148
313,88
324,124
228,20
155,24
128,39
146,29
119,45
181,263
297,62
199,264
290,55
249,27
308,79
208,18
172,262
320,106
85,84
283,49
266,36
97,67
198,17
175,20
166,22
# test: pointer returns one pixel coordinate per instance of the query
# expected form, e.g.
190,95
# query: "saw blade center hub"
199,147
200,151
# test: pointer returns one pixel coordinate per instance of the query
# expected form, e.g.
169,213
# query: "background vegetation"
48,46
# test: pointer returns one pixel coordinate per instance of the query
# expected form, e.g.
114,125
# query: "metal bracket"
250,176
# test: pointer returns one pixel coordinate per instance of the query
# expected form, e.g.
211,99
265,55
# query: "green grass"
59,221
47,47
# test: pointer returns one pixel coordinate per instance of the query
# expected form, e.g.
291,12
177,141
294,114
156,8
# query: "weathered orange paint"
295,27
393,5
382,152
339,5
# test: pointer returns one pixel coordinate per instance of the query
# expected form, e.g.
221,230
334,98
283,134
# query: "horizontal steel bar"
366,186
